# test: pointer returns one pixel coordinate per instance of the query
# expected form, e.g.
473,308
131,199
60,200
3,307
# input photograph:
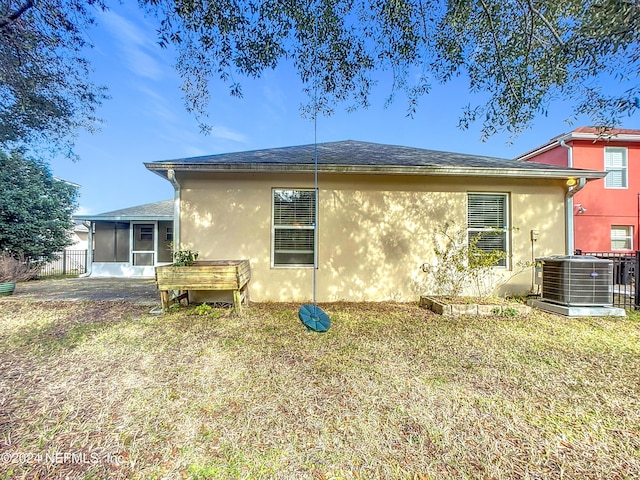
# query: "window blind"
293,227
486,211
293,207
621,237
615,164
487,218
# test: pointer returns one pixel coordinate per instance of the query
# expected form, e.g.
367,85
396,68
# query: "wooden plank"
182,286
164,298
244,291
195,285
231,282
182,296
212,272
237,300
198,278
185,300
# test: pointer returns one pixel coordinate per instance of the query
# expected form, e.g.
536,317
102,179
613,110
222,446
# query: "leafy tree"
524,54
521,54
36,208
45,92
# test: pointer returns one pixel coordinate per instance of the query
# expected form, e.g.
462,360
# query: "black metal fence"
71,262
626,267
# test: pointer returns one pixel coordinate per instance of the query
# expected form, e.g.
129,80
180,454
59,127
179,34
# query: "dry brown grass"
391,391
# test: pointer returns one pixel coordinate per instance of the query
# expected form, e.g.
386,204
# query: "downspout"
569,203
572,190
89,226
171,175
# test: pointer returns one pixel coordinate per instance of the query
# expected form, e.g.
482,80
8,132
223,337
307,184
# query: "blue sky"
145,119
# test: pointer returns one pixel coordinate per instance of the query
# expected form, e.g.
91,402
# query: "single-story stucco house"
130,241
379,207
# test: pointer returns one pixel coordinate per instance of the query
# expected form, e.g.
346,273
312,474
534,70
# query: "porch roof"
162,210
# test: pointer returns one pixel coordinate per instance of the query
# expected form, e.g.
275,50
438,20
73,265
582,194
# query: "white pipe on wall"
568,204
89,265
171,175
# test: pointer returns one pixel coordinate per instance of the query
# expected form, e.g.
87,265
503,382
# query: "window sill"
289,267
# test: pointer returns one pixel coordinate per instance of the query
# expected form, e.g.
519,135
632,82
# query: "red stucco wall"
555,156
604,207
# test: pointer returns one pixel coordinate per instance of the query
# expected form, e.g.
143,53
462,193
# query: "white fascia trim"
388,170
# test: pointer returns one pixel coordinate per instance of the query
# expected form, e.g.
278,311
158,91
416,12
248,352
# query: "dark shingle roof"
359,157
162,210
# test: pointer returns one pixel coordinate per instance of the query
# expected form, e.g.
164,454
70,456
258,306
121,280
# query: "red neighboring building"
606,212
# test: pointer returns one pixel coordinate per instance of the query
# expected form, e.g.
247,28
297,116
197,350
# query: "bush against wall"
462,267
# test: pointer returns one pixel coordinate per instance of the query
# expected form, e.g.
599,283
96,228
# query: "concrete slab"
140,291
566,311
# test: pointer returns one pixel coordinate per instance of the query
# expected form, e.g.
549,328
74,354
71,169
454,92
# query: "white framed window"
487,216
615,164
293,228
621,237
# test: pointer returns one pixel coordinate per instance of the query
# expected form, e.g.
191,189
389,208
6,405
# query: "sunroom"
131,241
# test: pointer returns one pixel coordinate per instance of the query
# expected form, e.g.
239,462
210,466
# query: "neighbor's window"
615,164
293,228
621,237
168,236
487,216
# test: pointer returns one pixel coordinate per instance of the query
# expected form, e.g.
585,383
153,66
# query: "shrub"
461,266
16,269
184,258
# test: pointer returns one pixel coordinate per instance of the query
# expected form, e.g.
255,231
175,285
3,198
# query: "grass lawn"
106,390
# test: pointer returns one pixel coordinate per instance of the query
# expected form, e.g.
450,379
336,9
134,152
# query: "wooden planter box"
231,275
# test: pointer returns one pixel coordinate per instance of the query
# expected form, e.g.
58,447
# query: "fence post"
636,272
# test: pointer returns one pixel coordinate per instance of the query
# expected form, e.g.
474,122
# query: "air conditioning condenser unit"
576,280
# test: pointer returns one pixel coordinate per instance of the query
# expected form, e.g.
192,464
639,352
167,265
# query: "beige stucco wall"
375,232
